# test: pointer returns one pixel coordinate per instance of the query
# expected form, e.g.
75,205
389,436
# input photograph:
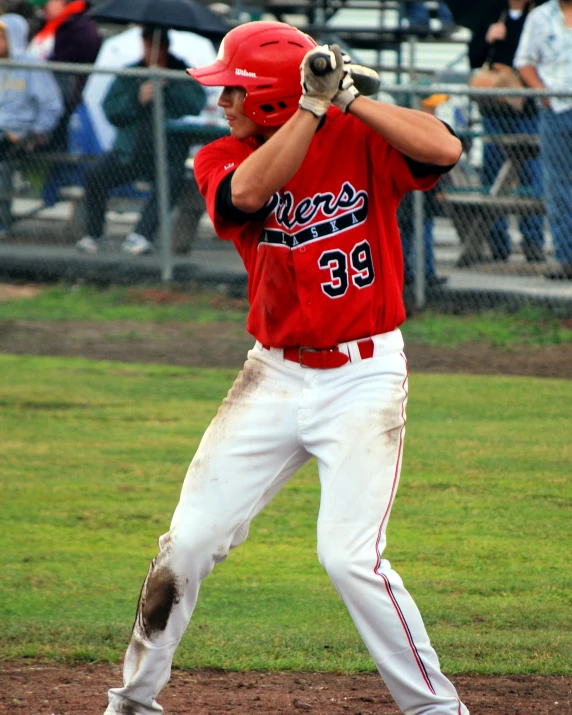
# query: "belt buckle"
301,356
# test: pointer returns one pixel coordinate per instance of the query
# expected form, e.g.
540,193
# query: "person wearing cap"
405,218
129,107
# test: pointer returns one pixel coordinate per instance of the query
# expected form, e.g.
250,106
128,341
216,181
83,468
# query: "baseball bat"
366,80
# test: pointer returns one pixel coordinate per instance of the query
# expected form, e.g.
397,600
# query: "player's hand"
348,91
145,92
319,90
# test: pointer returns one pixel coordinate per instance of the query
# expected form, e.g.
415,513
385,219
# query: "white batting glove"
318,90
348,91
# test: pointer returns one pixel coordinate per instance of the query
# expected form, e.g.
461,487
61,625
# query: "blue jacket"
30,100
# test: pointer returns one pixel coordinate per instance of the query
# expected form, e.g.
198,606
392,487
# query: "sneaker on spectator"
136,245
87,244
562,273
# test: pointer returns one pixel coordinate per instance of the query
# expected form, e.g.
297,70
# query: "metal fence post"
419,235
162,178
418,231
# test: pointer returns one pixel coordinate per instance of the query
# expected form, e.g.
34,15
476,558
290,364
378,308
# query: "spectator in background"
417,16
67,35
406,220
128,105
30,104
30,101
491,45
544,59
26,9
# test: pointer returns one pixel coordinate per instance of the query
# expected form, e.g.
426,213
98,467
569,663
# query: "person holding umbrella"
185,15
128,106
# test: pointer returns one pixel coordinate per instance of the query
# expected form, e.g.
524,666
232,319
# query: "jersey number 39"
336,261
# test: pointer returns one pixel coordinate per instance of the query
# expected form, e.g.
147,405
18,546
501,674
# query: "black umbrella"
477,14
186,15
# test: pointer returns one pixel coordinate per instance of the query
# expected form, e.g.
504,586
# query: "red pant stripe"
397,468
408,633
379,533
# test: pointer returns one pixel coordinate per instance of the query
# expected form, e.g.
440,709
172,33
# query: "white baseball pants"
276,416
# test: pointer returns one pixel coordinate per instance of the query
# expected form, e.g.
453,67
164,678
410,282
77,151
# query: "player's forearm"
531,78
274,163
418,135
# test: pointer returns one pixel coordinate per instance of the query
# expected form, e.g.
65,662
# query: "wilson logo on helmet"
244,73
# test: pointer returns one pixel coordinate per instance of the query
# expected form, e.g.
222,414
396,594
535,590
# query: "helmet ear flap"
264,58
270,110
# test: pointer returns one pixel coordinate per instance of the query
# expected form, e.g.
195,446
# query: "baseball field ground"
104,396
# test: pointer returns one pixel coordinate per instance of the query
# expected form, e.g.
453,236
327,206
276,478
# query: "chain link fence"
497,229
115,200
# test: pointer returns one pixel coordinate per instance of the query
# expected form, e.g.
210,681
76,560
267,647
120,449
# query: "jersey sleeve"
212,165
390,164
404,178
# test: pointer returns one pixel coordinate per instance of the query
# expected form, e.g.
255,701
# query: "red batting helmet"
265,59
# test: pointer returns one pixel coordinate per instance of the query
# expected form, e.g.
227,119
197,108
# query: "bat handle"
320,64
365,79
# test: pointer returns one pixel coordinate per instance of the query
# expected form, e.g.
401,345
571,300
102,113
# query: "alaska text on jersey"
349,207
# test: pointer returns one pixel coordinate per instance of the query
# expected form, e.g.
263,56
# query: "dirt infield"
34,689
224,344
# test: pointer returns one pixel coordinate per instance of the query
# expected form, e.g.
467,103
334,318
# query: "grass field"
93,456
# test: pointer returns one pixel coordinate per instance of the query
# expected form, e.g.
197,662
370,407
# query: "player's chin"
240,131
243,128
236,132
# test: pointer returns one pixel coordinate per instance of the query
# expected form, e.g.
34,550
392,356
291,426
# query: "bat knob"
320,64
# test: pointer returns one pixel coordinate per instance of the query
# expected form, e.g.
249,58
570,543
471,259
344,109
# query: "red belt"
325,358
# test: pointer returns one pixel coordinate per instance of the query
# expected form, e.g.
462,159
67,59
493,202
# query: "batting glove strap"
345,97
347,91
318,106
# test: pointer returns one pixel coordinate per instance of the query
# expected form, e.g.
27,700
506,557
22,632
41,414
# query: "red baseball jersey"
325,266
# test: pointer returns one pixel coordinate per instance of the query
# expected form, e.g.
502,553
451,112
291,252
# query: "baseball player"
306,187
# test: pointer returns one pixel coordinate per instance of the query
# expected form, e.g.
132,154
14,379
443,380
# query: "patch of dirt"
34,689
224,344
16,292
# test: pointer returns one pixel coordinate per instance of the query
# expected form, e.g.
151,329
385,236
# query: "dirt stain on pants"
160,593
